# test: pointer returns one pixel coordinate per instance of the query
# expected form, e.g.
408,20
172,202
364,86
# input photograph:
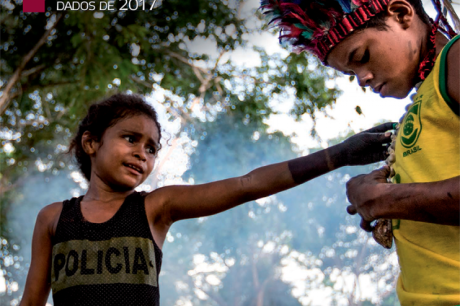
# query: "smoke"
301,240
39,190
298,247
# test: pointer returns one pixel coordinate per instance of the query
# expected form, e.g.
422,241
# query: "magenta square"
33,6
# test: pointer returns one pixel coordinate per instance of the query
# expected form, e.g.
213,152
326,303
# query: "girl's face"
126,154
385,60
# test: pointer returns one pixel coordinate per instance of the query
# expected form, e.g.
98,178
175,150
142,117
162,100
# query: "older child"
392,47
104,248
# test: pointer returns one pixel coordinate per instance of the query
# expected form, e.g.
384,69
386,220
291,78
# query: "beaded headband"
319,25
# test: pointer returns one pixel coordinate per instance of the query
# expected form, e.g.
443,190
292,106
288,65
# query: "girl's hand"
364,195
367,147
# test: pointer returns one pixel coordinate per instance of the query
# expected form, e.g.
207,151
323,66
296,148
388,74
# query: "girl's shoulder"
155,204
48,216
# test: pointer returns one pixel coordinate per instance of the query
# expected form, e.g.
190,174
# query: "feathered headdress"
318,25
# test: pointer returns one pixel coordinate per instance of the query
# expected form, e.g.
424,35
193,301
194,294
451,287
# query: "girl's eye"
130,139
151,150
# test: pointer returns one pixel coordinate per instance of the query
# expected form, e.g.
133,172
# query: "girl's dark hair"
103,115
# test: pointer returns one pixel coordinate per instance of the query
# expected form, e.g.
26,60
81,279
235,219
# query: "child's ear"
402,11
89,143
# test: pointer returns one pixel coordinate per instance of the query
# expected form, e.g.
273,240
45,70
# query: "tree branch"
140,82
5,186
453,14
5,99
33,70
356,271
185,61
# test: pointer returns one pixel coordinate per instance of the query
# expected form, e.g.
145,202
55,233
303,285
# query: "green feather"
301,26
307,34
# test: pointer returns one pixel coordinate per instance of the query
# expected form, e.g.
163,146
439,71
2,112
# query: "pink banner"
33,6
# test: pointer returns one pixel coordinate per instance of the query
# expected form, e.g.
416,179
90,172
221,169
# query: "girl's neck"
103,193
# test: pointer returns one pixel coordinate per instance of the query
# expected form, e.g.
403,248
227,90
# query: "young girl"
104,248
392,46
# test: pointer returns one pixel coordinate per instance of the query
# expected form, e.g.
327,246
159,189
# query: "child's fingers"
381,138
351,210
381,173
366,225
382,127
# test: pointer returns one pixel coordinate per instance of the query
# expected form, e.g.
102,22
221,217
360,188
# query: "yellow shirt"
428,150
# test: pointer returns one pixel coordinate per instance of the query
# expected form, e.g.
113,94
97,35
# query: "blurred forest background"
295,248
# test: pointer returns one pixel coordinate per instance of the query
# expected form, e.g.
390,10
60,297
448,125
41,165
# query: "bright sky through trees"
302,241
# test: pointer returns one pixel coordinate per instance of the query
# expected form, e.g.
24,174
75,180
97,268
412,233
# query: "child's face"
125,156
385,60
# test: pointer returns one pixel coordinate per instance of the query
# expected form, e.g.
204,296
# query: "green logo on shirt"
412,125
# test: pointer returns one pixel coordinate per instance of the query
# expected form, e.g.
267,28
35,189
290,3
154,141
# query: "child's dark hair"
378,21
103,115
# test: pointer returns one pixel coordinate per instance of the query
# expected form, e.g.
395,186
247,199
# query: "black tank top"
112,263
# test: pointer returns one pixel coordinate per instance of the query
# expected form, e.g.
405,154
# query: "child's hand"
369,146
364,195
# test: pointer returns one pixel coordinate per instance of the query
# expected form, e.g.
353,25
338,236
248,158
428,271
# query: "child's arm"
182,202
37,286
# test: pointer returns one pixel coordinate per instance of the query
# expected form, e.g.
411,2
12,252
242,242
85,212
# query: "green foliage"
88,56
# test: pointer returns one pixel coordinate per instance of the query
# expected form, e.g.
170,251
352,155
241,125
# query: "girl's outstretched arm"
182,202
37,286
